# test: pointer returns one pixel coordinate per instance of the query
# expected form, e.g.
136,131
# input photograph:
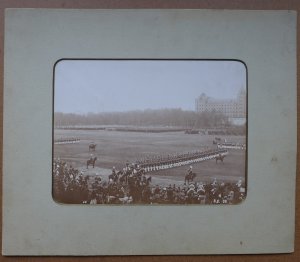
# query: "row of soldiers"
166,157
69,140
181,160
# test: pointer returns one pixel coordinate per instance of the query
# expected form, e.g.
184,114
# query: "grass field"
115,148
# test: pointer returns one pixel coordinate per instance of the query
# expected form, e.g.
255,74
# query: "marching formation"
162,162
231,146
69,140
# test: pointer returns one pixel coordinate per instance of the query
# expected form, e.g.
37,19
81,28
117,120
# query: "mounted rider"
91,157
190,171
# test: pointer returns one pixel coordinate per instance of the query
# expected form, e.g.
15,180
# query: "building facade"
234,109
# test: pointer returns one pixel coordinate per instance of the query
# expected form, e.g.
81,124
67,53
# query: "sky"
83,86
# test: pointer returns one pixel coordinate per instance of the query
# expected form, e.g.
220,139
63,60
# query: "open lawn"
114,148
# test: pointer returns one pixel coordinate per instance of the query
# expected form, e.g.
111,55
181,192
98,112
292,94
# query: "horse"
91,161
92,146
189,177
220,157
114,176
148,180
123,178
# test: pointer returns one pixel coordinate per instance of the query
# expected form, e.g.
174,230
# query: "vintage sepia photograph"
149,132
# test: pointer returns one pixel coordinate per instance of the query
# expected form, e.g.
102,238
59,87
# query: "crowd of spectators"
132,186
69,185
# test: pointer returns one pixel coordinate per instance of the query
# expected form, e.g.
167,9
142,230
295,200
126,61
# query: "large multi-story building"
234,109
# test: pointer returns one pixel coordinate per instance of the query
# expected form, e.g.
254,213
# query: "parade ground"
115,148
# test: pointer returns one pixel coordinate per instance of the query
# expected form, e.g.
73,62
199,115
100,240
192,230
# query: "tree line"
150,117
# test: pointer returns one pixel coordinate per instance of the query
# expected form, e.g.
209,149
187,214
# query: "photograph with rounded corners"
149,132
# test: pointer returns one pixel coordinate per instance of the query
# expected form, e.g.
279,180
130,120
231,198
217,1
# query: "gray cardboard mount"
33,224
